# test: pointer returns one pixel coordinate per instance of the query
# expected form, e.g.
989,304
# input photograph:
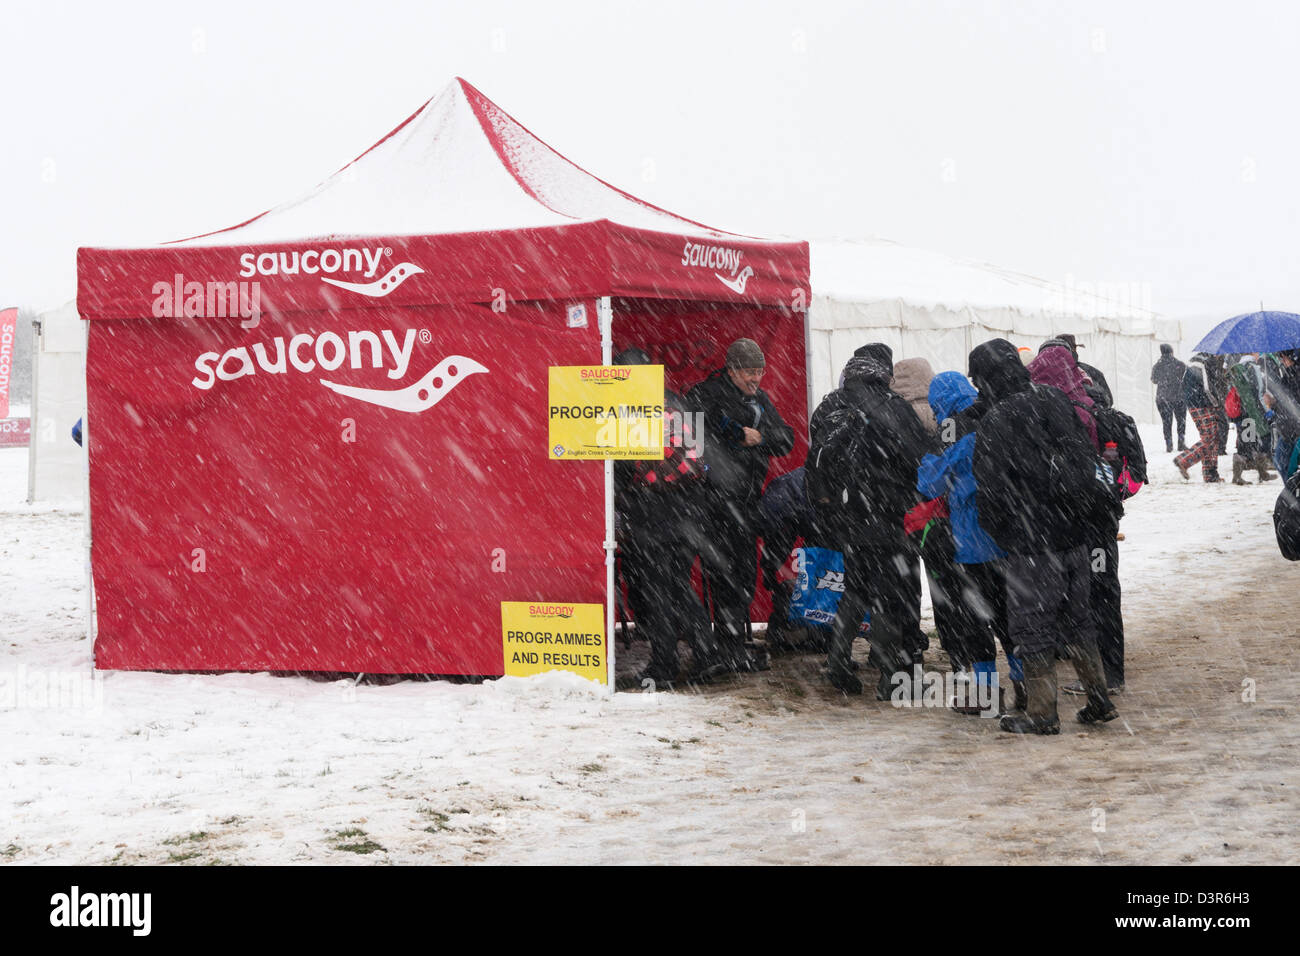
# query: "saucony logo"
420,396
382,286
736,285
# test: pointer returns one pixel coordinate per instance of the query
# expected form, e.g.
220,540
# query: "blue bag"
818,587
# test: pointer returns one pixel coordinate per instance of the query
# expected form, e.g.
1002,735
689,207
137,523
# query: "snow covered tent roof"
476,201
460,163
878,270
937,306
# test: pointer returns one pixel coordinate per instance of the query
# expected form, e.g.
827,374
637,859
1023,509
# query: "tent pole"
34,427
605,318
85,451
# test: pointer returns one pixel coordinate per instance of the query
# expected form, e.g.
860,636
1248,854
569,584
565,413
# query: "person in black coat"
743,432
1033,460
868,526
658,506
1167,376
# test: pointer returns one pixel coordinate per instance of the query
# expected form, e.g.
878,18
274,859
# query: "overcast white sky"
1152,145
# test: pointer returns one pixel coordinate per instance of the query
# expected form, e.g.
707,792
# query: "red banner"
8,328
15,432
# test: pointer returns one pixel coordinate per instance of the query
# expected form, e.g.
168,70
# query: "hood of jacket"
950,393
912,379
868,369
996,370
1057,366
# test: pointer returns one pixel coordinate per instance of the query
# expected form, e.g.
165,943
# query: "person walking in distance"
1198,396
1167,376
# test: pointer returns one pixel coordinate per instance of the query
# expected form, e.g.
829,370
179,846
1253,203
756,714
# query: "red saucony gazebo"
318,439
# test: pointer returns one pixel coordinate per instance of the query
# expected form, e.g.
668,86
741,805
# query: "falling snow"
772,767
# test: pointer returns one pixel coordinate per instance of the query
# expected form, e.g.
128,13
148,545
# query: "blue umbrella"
1253,332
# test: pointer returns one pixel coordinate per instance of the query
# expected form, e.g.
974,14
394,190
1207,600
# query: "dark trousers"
1171,412
1104,599
729,558
938,551
1048,601
657,570
875,580
981,608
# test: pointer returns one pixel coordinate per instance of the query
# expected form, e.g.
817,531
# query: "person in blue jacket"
982,609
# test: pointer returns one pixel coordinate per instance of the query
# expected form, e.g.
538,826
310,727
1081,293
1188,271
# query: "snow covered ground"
777,767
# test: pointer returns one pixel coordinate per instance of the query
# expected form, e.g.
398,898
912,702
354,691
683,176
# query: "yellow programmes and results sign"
606,411
539,637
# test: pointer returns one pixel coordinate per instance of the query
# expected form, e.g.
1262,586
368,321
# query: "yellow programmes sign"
606,411
539,637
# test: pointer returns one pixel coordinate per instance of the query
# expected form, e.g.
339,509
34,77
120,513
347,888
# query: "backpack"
1232,404
1082,483
681,465
830,470
1286,519
846,445
1120,428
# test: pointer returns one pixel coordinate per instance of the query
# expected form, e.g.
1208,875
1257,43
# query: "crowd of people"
1006,483
1258,395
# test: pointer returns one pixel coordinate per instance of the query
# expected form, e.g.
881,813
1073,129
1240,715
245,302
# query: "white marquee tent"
56,464
924,304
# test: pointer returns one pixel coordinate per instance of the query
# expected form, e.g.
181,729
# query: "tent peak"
459,163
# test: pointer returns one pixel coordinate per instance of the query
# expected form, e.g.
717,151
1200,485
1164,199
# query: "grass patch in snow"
364,846
438,819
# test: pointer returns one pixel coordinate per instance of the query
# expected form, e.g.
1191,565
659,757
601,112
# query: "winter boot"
841,676
1087,664
890,658
1238,464
1261,468
1022,695
1040,713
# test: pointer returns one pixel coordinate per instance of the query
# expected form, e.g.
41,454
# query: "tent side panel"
59,463
333,491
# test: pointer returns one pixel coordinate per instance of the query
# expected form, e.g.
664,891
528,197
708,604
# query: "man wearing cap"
743,432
